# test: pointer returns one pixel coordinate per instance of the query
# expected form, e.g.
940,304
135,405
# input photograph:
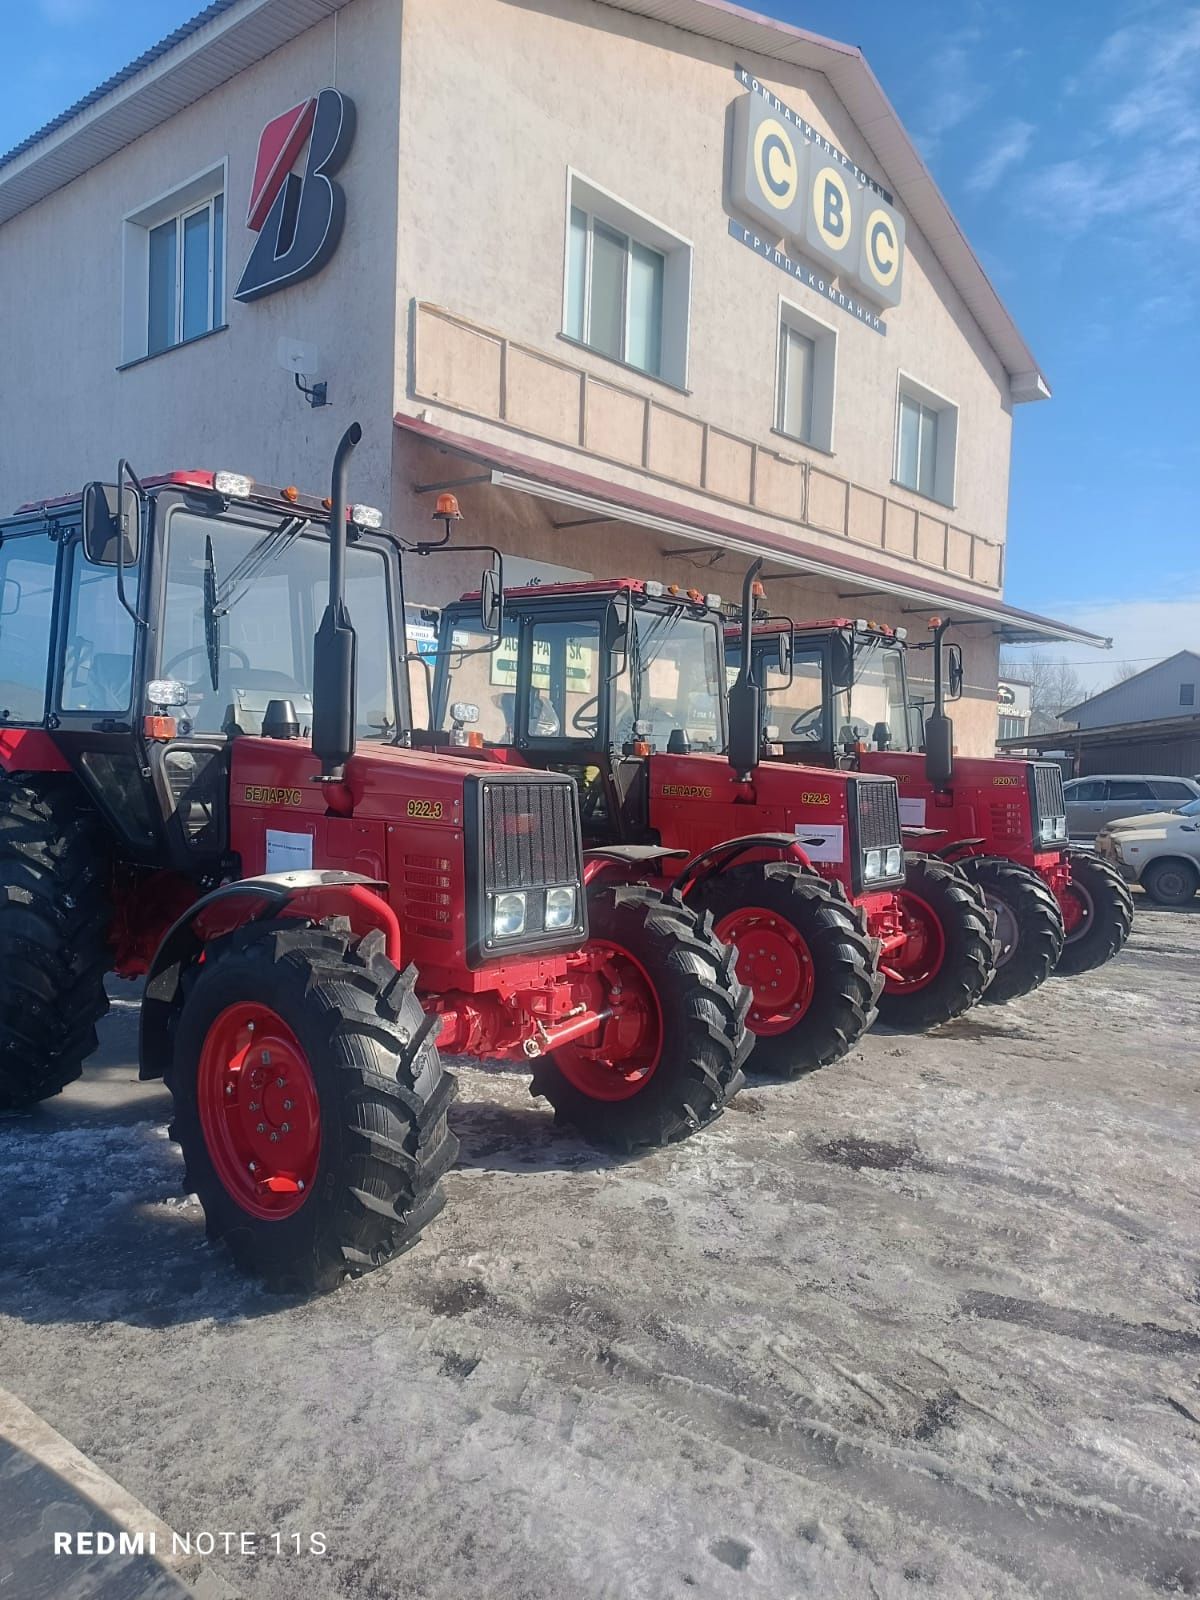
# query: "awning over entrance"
564,486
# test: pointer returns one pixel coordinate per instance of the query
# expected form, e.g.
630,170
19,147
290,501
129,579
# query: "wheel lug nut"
300,1183
279,1082
254,1105
274,1138
285,1127
254,1166
287,1105
262,1127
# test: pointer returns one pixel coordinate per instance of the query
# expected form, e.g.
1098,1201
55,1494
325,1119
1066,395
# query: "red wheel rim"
776,965
259,1111
624,1058
919,959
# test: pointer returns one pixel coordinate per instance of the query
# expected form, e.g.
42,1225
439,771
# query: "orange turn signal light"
159,727
758,590
695,596
475,740
935,622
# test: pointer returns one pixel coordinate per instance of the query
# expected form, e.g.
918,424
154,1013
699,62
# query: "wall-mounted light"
301,360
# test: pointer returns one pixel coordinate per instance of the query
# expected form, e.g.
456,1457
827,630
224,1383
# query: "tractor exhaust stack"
745,695
335,649
939,730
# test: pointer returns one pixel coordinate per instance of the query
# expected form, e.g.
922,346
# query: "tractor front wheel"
668,1056
1097,908
812,970
310,1102
55,911
948,958
1029,924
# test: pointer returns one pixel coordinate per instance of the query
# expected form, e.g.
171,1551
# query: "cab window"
564,697
27,570
482,673
98,662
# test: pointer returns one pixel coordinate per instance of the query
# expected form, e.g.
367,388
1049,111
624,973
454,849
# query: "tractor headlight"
508,914
1053,828
560,907
234,484
873,865
894,862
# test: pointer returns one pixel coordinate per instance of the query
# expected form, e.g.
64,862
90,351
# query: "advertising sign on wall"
811,200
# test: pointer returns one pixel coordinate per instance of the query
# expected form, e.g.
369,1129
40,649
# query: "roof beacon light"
234,484
366,517
672,588
447,507
934,622
695,597
655,589
758,589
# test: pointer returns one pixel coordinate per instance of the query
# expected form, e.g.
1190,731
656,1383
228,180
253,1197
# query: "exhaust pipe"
939,730
335,648
745,695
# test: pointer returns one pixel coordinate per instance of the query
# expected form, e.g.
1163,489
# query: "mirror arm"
124,470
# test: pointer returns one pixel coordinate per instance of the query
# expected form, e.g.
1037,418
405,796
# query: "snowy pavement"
925,1324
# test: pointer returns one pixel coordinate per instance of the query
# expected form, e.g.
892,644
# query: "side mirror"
105,520
745,726
784,663
491,599
954,672
10,598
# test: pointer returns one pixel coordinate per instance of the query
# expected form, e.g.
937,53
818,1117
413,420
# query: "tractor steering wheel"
808,724
241,659
582,716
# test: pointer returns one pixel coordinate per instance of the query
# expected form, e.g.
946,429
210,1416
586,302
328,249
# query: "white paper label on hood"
912,813
821,841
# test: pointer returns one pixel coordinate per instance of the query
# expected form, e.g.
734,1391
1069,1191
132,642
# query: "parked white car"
1160,851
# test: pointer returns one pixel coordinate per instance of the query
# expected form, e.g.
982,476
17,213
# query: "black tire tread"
1113,923
701,1067
970,961
55,921
385,1075
1039,920
846,959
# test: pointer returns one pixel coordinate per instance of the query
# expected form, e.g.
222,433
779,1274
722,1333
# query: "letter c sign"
776,165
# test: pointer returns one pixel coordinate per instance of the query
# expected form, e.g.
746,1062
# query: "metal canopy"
565,487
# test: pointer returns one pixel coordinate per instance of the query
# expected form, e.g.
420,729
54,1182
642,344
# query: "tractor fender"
30,750
315,894
720,857
629,862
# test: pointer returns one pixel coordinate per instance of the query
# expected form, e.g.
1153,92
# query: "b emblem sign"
298,220
799,187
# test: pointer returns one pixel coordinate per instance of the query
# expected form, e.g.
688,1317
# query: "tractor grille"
1047,792
530,835
528,842
878,815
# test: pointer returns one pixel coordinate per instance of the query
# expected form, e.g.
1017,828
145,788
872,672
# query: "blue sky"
1066,136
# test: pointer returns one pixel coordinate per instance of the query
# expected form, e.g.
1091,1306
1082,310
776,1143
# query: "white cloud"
1143,631
952,90
1011,147
66,13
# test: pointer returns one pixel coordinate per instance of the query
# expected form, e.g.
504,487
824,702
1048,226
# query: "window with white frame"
175,267
628,285
926,441
804,388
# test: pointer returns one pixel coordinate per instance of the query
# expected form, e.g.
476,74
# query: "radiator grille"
878,815
530,835
1047,792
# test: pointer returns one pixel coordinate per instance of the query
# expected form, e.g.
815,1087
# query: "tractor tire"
1029,925
323,1158
803,948
1098,914
671,1058
55,915
953,956
1171,882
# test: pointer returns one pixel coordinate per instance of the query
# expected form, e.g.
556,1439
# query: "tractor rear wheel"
310,1102
803,949
1097,908
949,957
1029,924
670,1056
55,913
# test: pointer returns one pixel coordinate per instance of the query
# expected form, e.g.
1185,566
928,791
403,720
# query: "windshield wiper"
212,628
219,600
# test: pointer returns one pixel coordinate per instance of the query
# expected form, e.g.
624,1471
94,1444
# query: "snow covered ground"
926,1324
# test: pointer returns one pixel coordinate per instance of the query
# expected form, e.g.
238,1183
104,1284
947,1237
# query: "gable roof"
230,35
1113,688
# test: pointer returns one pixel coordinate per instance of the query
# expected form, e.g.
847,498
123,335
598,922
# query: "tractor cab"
832,689
142,629
594,680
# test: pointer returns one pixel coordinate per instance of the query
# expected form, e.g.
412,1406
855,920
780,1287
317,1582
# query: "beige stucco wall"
640,109
66,413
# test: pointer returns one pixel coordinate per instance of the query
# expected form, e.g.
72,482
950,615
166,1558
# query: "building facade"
655,286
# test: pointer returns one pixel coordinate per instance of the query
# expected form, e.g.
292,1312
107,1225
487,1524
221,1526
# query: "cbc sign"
798,191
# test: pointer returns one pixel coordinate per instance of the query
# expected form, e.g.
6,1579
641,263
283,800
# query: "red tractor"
202,787
843,702
623,685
